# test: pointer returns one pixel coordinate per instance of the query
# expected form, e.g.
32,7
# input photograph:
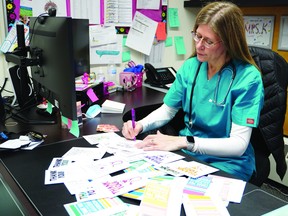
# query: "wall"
169,59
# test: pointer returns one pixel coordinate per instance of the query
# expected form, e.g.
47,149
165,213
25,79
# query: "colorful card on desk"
59,163
106,166
138,193
106,206
203,205
101,138
83,186
228,189
73,173
161,157
84,153
192,168
165,168
197,186
91,191
163,197
122,183
107,128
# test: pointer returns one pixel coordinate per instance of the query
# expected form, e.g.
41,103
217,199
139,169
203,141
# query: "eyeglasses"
206,41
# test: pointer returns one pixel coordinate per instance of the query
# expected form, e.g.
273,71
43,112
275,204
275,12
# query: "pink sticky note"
69,123
161,31
90,93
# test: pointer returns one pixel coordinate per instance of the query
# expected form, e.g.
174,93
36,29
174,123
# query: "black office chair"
267,138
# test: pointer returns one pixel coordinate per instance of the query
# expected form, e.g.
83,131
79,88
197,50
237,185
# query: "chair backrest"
268,137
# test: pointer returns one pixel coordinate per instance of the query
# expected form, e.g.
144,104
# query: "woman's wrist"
190,143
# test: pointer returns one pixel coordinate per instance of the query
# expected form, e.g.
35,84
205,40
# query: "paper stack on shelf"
110,106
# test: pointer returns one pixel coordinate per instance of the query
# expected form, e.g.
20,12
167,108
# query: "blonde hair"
226,20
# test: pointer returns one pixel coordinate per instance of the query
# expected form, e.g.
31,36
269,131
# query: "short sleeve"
249,98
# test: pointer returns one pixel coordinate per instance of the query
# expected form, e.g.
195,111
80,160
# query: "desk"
27,168
139,97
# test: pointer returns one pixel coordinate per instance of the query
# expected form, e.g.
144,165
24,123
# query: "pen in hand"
133,119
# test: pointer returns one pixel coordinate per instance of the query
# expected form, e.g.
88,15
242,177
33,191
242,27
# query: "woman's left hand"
162,142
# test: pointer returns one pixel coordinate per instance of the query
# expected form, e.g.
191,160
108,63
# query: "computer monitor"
61,47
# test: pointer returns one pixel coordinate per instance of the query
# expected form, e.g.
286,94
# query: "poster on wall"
259,30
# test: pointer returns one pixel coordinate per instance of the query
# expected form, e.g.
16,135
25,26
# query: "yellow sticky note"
180,46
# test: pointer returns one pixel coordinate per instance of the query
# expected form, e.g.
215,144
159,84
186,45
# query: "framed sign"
282,42
259,30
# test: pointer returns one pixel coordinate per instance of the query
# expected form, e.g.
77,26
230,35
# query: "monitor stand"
34,115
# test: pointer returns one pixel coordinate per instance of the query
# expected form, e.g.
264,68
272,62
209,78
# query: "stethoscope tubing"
217,87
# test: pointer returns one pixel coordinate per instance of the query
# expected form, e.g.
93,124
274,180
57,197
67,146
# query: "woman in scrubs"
220,91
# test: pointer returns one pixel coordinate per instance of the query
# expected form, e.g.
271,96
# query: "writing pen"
133,119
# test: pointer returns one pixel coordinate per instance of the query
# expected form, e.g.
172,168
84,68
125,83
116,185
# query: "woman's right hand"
129,132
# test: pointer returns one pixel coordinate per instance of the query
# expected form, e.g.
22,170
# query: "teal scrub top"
215,107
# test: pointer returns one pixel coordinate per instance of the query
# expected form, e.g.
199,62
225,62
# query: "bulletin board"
14,7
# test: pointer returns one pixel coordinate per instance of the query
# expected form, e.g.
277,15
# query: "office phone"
159,77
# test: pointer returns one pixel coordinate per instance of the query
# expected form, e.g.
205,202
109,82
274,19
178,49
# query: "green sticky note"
64,120
75,128
168,42
49,108
173,18
180,46
126,56
124,41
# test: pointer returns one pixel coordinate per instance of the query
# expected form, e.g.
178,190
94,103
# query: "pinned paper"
161,31
126,56
180,45
173,17
168,42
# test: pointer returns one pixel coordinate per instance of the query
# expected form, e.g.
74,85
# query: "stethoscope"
221,103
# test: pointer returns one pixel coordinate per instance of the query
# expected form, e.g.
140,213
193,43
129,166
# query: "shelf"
241,3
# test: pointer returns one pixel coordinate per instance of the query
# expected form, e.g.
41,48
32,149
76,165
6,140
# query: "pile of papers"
162,181
110,106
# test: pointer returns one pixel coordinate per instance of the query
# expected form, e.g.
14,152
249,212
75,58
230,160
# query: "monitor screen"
61,47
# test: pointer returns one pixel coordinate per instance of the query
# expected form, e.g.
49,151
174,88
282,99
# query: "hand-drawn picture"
259,30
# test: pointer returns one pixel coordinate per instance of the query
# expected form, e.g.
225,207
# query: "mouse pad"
256,202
